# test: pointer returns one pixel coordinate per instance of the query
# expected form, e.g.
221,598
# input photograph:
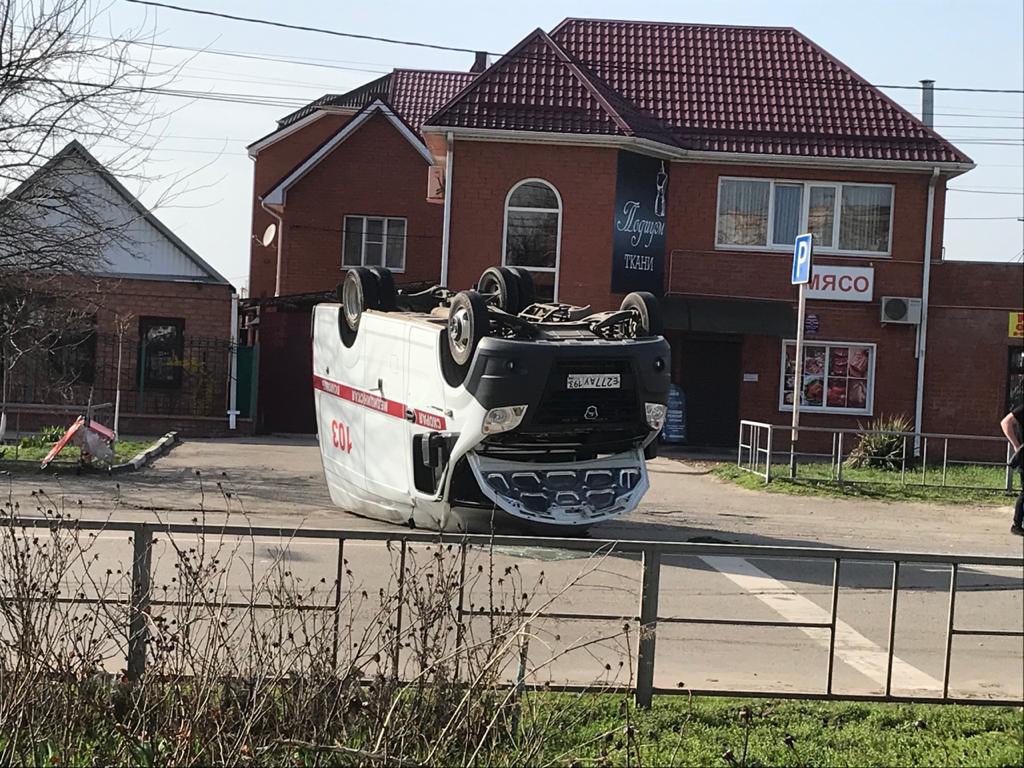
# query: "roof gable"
278,193
142,245
518,92
414,95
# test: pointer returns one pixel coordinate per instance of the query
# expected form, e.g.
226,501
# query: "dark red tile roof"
414,94
712,88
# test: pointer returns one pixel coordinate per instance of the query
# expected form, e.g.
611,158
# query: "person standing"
1013,428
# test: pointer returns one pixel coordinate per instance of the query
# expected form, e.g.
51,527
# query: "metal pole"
739,448
903,463
401,601
337,600
138,609
832,458
949,630
839,475
141,405
768,466
650,585
797,380
892,625
924,462
233,382
945,459
459,628
1009,470
832,626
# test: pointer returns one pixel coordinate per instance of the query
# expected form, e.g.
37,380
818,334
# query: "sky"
201,147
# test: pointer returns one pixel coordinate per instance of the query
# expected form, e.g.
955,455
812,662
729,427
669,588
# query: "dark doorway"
285,400
708,370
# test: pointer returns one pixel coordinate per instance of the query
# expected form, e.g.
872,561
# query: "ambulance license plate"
592,381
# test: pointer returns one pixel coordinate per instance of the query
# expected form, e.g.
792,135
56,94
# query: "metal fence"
646,621
190,380
921,459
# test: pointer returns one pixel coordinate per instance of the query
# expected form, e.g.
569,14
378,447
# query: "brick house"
741,138
174,312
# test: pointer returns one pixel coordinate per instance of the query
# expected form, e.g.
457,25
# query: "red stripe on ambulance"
377,403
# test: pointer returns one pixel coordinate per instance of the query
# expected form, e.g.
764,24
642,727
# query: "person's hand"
1017,459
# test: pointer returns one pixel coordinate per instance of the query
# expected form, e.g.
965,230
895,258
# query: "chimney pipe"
480,63
928,103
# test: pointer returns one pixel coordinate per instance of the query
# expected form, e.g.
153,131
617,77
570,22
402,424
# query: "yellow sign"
1017,325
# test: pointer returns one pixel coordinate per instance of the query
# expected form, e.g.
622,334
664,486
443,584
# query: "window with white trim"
374,241
770,213
533,228
838,377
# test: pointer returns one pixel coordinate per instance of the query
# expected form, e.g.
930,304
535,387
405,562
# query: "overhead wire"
459,49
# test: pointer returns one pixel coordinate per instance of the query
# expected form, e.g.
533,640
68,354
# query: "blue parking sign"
802,260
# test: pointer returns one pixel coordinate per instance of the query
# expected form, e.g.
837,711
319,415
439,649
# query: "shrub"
44,437
881,445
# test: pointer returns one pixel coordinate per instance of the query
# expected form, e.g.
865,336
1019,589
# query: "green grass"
123,451
882,484
679,731
604,730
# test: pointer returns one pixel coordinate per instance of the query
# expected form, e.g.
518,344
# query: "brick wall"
375,171
205,307
585,179
271,165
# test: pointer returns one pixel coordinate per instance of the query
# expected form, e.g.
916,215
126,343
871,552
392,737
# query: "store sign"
638,234
812,324
842,283
1016,325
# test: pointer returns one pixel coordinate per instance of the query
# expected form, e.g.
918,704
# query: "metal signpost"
801,275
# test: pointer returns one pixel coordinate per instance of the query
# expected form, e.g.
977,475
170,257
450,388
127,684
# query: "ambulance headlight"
655,415
503,419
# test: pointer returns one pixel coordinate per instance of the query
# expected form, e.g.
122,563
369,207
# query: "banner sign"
638,234
1016,328
841,283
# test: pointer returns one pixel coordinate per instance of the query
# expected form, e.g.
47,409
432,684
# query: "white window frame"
833,249
384,235
522,209
869,408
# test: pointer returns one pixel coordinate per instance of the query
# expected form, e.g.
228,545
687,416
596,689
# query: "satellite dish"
268,235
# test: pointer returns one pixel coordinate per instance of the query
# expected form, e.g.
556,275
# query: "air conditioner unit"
901,309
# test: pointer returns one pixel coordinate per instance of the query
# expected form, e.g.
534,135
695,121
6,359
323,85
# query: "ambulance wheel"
500,286
467,324
527,289
648,311
358,293
387,295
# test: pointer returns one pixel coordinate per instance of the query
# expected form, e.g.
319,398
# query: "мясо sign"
638,238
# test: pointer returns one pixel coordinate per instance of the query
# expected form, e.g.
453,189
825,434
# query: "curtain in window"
743,212
353,236
821,215
786,218
864,218
394,256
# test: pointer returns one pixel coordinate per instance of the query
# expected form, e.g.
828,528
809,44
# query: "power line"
981,191
457,49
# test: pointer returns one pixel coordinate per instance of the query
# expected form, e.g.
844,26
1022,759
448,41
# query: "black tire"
500,286
387,294
356,294
649,310
527,288
467,324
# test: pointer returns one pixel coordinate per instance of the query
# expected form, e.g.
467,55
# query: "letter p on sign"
802,260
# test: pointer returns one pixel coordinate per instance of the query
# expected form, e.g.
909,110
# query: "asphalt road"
278,481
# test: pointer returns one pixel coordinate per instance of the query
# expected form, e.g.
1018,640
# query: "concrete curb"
144,459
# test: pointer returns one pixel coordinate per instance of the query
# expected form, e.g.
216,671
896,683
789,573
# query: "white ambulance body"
464,417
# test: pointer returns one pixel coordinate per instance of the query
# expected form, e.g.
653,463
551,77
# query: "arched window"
533,233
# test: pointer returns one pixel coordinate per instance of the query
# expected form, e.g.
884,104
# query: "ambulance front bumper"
575,494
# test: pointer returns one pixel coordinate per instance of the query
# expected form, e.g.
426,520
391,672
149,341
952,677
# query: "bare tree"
67,82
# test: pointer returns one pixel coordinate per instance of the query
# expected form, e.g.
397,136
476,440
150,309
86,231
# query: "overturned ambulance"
474,410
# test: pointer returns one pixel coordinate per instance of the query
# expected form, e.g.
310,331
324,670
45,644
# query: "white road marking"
851,646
